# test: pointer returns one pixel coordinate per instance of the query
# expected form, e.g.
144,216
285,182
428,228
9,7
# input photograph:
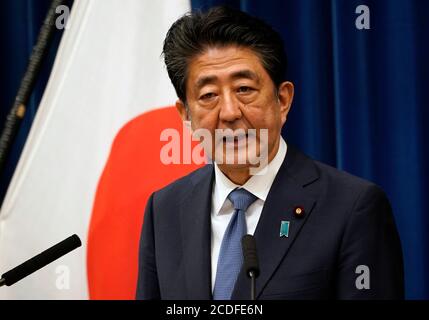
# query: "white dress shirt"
222,209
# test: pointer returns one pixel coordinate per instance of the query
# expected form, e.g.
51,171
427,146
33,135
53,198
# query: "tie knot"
241,199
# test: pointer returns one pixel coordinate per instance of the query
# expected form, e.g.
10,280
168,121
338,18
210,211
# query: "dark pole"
17,112
252,285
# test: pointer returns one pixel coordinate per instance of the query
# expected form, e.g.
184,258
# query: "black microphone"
250,261
41,260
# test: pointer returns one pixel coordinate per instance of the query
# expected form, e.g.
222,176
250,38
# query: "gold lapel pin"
299,211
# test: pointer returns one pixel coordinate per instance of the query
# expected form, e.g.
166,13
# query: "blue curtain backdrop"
361,101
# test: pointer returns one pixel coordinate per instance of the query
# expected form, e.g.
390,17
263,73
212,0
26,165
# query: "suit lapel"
196,235
286,193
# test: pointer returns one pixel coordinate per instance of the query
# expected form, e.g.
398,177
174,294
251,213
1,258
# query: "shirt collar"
258,185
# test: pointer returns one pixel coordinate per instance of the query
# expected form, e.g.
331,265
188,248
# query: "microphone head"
250,256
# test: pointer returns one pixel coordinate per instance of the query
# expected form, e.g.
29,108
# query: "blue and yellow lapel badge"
284,229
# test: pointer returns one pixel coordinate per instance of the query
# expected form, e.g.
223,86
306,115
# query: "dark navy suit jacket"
347,223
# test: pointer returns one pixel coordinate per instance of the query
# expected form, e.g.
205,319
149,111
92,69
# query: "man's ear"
181,108
286,91
184,114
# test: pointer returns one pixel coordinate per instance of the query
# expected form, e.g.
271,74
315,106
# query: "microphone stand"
252,285
251,264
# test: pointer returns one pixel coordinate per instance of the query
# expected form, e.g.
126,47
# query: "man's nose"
229,109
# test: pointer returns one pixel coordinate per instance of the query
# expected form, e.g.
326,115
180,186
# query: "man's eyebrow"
201,82
247,74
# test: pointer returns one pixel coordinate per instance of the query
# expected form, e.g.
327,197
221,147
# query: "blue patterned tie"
230,255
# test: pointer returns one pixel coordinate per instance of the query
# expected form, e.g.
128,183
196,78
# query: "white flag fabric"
108,75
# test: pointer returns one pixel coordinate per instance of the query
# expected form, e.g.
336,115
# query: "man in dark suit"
320,233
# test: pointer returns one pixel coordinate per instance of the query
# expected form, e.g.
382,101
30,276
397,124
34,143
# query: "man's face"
228,88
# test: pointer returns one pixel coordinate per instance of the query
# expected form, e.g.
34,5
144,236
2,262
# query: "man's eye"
244,89
207,96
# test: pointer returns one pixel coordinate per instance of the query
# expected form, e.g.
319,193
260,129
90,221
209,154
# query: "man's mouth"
235,139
